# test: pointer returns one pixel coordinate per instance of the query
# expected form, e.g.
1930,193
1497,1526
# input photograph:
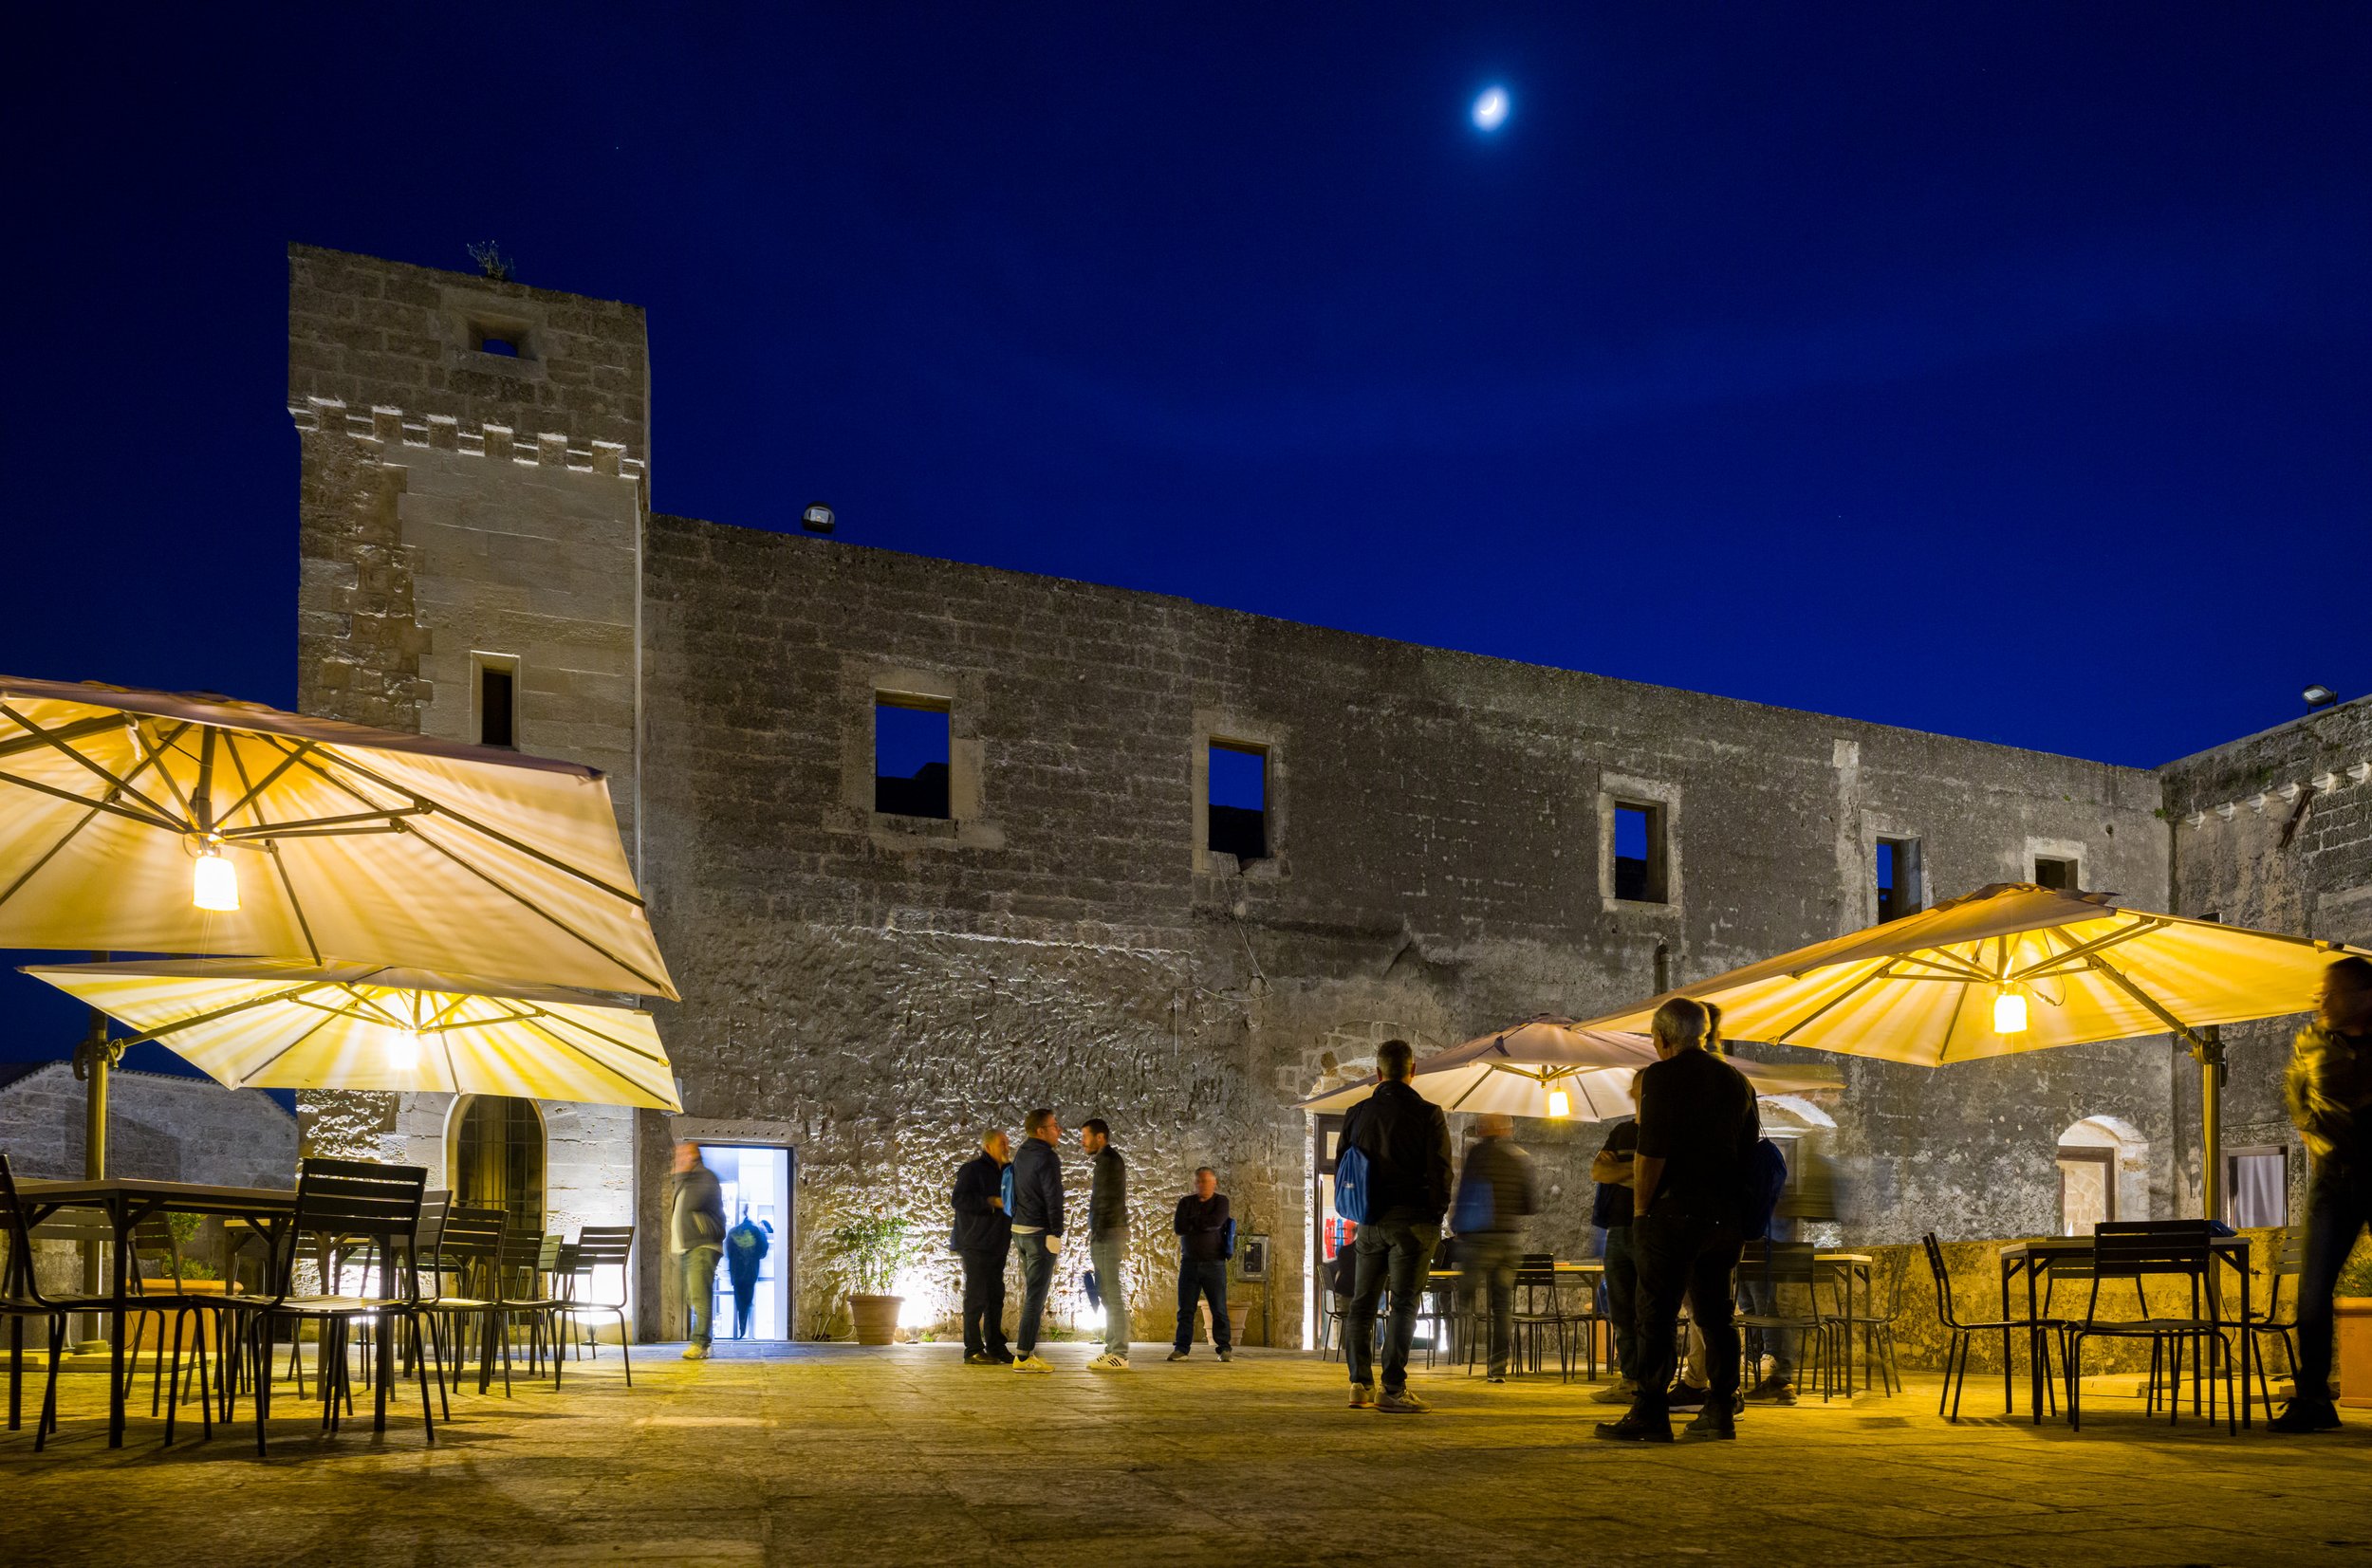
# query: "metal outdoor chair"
344,1200
1962,1332
2139,1250
524,1258
469,1248
1876,1321
1781,1270
2278,1320
602,1246
22,1298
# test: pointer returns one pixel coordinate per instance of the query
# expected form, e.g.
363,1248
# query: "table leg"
2247,1340
2009,1388
2036,1358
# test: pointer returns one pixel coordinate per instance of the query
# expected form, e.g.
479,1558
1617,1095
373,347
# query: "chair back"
600,1245
2126,1249
355,1201
471,1245
1943,1281
19,1280
154,1237
522,1260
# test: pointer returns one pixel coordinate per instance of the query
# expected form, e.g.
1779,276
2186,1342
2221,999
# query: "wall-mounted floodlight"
817,518
2319,696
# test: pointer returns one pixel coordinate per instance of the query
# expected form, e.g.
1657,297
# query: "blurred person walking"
696,1230
1495,1196
2328,1088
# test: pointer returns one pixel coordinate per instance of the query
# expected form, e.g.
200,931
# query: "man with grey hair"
1697,1129
1495,1196
1405,1141
983,1238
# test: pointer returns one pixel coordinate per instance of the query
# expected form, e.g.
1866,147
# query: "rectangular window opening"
503,341
1897,879
909,757
497,705
1638,853
2088,1189
1238,824
2052,871
2256,1188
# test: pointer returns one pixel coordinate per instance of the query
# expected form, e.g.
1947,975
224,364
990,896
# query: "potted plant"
869,1248
2353,1310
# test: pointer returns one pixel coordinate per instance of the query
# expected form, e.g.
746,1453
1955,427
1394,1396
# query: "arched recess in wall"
2103,1167
494,1157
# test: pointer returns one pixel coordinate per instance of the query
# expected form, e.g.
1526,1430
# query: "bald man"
1495,1195
984,1239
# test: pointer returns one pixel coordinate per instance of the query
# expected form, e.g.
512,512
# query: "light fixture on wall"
2009,1011
213,881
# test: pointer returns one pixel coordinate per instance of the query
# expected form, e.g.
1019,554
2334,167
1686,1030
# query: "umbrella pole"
92,1060
2210,1051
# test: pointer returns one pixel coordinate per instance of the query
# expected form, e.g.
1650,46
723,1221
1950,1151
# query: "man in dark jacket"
1201,1224
2330,1090
1037,1216
983,1238
1107,1238
697,1232
1494,1197
1406,1141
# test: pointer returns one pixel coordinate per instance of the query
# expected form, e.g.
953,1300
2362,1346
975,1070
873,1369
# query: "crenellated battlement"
393,427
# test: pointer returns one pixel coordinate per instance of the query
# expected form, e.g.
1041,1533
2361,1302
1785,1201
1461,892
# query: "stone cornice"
392,429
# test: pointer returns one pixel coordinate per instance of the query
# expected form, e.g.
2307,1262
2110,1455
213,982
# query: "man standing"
1107,1238
983,1238
1037,1215
2330,1090
1697,1128
697,1230
1611,1212
1202,1224
745,1246
1495,1196
1405,1139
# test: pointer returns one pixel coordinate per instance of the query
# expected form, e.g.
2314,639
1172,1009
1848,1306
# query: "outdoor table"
1560,1276
2035,1258
127,1201
1848,1267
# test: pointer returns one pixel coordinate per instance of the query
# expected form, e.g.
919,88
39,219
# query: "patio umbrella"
194,824
288,1025
1519,1071
2014,967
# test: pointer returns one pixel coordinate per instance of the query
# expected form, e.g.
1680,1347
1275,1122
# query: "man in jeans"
1494,1198
1201,1224
1406,1141
1107,1238
697,1229
984,1239
1611,1212
1037,1228
2330,1090
1697,1129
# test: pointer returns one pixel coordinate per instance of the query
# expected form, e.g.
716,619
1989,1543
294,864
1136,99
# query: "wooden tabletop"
2076,1246
178,1196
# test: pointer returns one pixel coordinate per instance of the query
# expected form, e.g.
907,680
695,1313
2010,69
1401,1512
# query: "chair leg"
628,1360
420,1370
16,1374
2074,1351
47,1421
260,1354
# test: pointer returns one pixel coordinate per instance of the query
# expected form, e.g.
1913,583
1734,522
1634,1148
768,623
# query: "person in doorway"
1697,1128
696,1229
1204,1234
745,1246
1495,1196
1610,1210
2328,1087
1037,1215
984,1239
1107,1238
1405,1139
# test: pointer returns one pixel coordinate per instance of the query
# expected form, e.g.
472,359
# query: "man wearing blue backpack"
1392,1180
1495,1196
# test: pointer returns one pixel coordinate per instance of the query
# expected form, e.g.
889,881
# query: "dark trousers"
1488,1265
1385,1254
1683,1257
984,1301
1203,1280
1622,1299
2338,1206
1037,1278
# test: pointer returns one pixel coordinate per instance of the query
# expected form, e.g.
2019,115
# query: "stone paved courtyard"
840,1456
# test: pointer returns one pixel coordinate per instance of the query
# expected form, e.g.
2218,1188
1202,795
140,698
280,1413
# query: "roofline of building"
2302,720
33,1068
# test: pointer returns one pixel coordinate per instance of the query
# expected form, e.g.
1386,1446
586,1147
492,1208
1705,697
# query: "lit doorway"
756,1184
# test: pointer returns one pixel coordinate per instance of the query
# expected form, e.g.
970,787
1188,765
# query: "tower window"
1899,890
1640,869
2052,871
497,705
910,756
1239,801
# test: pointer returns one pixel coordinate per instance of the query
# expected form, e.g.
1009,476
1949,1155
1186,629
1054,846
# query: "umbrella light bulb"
2008,1011
1560,1103
403,1049
215,882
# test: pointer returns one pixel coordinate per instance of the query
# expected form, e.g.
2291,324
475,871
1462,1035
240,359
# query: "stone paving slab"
844,1457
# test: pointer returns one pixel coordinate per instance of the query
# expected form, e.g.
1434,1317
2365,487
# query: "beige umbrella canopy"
176,823
1521,1072
260,1024
2008,969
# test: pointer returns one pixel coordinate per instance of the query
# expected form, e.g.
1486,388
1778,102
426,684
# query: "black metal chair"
526,1257
2278,1320
1876,1321
469,1248
22,1298
602,1246
1776,1272
2144,1249
346,1200
1963,1332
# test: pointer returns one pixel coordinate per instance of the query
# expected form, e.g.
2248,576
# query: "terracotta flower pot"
875,1317
2354,1350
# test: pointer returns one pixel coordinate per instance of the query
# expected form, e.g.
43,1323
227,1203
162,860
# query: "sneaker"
1496,1378
981,1359
1685,1396
2306,1415
1635,1429
696,1352
1623,1393
1363,1396
1180,1356
1402,1403
1224,1353
1108,1363
1772,1391
1711,1423
1031,1363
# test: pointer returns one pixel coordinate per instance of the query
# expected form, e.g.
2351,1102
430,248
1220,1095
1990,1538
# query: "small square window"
910,756
1640,858
497,705
2052,871
1238,823
1899,888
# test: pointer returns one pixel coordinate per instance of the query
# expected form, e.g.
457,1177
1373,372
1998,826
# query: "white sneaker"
1031,1363
1108,1363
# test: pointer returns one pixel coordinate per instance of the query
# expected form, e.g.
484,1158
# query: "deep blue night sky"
1993,369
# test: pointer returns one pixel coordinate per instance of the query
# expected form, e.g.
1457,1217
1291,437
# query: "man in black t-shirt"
1697,1128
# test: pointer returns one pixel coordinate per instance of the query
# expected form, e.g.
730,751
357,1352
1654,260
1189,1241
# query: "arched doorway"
2104,1175
496,1157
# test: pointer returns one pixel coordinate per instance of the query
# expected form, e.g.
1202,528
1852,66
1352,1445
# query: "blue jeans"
1202,1281
1622,1299
1037,1278
699,1291
1396,1255
1112,1283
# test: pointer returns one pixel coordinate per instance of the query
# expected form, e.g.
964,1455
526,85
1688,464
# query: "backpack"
1350,1185
1766,1179
1227,1238
1004,1189
1475,1206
